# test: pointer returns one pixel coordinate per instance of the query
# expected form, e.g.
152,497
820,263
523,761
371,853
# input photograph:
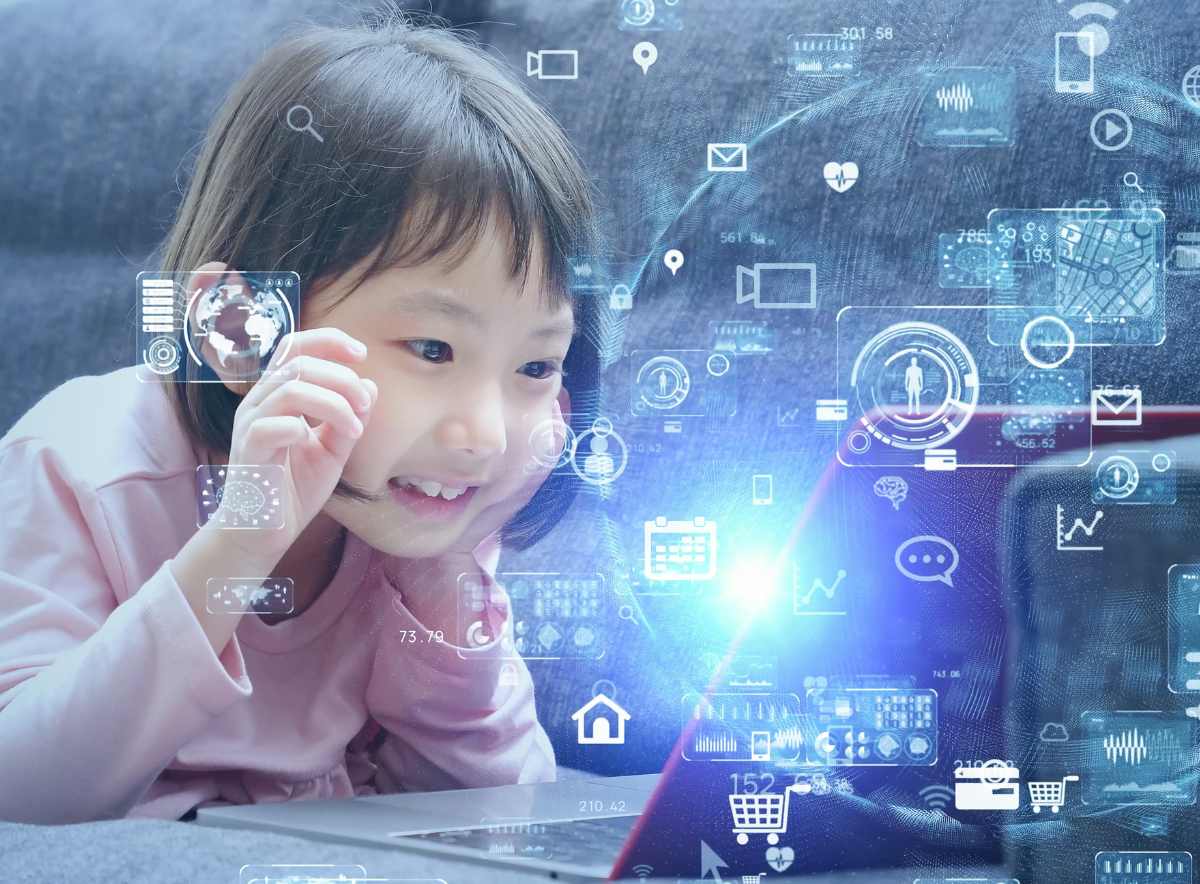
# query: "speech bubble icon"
927,558
893,488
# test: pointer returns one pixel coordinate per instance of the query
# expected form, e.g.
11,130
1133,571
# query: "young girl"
428,205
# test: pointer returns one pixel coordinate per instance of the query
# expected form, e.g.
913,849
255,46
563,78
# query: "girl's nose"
475,425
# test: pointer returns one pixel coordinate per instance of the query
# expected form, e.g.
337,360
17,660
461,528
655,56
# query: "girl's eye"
430,351
539,370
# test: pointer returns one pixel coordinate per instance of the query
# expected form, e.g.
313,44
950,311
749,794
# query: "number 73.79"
410,635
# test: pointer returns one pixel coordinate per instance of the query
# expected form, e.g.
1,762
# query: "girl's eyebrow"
432,301
562,328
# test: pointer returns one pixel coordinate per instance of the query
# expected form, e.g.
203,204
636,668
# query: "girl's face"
469,367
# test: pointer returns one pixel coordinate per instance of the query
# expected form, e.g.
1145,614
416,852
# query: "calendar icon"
681,550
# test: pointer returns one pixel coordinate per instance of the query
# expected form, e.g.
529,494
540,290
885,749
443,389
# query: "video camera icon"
778,286
553,64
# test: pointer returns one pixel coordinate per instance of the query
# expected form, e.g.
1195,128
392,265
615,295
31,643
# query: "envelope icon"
727,158
1117,408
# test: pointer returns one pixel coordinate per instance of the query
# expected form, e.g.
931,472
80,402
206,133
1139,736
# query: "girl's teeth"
434,489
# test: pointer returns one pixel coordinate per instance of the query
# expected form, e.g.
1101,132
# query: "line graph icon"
1064,538
802,599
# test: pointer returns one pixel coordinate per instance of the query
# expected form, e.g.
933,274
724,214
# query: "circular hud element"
917,386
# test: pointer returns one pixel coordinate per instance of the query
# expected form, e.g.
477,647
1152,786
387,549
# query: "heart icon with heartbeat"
779,858
841,177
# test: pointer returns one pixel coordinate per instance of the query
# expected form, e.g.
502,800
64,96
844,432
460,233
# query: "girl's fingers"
268,435
321,372
300,398
340,444
322,343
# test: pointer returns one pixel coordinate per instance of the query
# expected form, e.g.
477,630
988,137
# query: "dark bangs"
424,137
408,142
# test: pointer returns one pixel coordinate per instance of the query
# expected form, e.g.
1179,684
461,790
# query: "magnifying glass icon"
625,612
307,116
1131,180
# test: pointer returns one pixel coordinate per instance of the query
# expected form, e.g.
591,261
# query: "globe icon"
233,328
1191,86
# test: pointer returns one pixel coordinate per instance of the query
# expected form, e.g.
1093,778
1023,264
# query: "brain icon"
893,488
243,498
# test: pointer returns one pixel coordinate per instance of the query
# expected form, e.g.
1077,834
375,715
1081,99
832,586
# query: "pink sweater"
112,702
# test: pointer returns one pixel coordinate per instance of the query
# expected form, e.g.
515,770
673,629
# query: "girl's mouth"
431,499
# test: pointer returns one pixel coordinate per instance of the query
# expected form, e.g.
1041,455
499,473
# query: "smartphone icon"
762,490
1075,62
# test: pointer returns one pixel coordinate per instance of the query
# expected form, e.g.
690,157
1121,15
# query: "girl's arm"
96,697
98,694
451,723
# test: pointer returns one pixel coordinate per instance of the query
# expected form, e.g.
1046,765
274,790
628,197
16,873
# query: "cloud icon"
1054,733
1193,711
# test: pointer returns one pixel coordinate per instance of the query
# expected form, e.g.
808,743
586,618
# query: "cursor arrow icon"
710,862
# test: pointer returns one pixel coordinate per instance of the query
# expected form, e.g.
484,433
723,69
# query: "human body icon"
914,385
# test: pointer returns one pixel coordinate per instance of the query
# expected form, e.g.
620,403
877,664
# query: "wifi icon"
937,797
643,871
1099,40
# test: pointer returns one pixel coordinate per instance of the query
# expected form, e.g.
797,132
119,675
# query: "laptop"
573,829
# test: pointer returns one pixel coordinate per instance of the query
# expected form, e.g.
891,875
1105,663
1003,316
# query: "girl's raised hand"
305,414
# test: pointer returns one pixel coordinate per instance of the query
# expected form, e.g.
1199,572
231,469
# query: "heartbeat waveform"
817,584
959,97
1129,747
791,738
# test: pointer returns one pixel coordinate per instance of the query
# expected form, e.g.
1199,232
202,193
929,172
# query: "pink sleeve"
450,722
96,697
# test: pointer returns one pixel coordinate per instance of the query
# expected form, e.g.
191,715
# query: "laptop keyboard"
595,842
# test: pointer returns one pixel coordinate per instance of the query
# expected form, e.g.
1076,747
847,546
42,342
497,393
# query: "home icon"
601,730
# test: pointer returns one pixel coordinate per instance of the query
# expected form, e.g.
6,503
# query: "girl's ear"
206,276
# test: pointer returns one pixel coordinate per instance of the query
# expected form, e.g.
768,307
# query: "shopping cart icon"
753,879
763,814
1049,795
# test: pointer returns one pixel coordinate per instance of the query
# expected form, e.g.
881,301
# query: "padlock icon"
621,298
508,674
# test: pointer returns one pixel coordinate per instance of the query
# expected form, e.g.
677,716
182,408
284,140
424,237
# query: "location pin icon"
674,260
645,54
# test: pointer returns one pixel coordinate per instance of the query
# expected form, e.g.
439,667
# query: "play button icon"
1111,129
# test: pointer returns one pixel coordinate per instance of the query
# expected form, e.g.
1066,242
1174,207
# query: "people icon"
662,383
598,464
608,455
914,385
